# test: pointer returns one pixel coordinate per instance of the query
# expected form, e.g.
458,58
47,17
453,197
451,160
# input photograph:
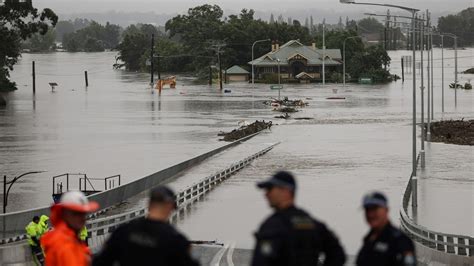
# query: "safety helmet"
77,201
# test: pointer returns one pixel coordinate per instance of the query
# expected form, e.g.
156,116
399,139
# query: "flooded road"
118,126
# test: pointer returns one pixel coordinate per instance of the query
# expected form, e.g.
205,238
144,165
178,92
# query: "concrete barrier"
18,253
13,224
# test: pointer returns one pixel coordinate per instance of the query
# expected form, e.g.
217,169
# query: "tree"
461,24
19,21
93,38
41,43
272,19
370,25
63,27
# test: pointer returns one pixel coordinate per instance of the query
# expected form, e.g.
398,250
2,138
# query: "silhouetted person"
290,236
384,245
148,241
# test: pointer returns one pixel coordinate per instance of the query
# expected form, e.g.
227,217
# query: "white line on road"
217,258
229,254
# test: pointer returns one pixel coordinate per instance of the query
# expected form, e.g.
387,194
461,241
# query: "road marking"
217,258
230,252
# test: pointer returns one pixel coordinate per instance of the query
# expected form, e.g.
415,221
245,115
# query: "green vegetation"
19,21
93,38
188,45
460,24
41,43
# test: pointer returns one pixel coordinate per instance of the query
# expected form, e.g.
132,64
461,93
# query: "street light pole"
6,191
442,73
344,60
422,89
413,13
428,115
279,78
253,46
455,71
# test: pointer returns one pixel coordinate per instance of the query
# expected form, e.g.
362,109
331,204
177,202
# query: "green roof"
236,70
295,49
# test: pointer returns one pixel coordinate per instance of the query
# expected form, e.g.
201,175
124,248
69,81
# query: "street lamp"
413,12
253,45
344,61
455,66
10,183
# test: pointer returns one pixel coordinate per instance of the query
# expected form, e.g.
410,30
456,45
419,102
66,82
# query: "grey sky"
298,9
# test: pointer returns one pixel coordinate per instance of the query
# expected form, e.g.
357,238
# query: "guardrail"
101,226
448,243
13,224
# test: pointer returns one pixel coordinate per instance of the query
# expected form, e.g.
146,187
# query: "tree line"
188,43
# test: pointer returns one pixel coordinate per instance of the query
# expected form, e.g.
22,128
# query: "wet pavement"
118,126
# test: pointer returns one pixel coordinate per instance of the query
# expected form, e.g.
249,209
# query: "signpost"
277,87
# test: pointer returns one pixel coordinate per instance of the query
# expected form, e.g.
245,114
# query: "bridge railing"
12,225
443,242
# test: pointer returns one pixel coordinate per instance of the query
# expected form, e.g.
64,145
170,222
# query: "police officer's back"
148,241
290,236
384,244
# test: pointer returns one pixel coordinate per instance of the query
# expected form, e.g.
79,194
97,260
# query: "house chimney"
313,45
273,46
277,46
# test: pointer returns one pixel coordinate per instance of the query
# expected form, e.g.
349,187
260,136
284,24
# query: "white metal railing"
185,197
448,243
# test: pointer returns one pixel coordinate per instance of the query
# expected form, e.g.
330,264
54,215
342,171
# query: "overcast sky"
331,8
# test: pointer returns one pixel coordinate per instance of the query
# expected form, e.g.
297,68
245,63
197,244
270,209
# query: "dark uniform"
391,248
291,237
146,242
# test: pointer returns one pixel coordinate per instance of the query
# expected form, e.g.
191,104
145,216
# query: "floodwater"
118,126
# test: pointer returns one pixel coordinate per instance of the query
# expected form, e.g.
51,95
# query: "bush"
270,78
336,77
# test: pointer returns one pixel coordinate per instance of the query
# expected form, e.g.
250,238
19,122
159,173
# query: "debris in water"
245,130
453,132
285,109
285,116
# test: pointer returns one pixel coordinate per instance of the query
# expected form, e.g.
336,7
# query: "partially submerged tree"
19,21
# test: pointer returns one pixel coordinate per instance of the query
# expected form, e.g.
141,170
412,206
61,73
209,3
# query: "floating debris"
285,109
336,98
469,71
453,131
460,86
245,130
286,102
303,118
285,116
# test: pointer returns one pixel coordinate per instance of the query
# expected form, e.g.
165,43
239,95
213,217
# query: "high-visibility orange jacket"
62,247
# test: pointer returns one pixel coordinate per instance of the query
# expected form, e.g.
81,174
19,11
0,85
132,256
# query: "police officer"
150,240
384,244
290,236
33,232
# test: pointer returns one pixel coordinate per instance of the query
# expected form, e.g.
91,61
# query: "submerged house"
297,62
236,73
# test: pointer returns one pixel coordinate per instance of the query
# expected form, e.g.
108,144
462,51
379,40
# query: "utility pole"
428,133
324,52
422,88
151,59
217,47
33,70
